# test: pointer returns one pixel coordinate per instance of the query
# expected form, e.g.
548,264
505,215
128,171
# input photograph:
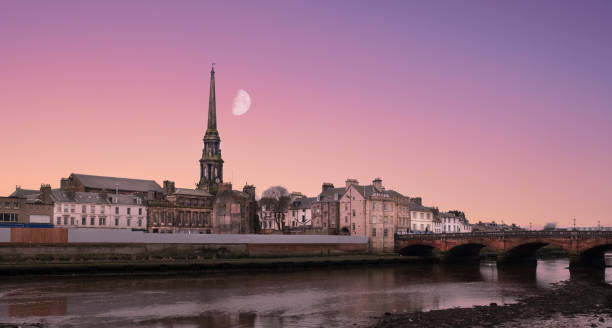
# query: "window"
84,220
303,218
93,209
422,215
59,208
346,206
72,208
346,219
373,218
353,226
116,210
386,219
140,211
385,233
373,206
59,220
72,220
129,211
373,232
116,221
65,220
83,209
385,206
102,209
353,212
100,221
16,205
129,222
92,221
65,208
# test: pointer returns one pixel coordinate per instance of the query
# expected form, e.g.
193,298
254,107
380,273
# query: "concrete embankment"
202,265
59,251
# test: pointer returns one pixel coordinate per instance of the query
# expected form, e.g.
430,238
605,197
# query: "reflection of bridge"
585,248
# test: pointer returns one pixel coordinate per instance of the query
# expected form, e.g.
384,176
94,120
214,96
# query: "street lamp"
574,223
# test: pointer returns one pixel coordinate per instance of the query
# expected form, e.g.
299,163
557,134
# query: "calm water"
334,297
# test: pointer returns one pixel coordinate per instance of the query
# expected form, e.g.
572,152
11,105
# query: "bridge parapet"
508,234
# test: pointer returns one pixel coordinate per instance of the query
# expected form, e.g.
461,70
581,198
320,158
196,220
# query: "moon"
242,103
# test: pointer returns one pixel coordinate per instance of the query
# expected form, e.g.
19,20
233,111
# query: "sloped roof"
192,192
328,195
109,183
417,207
63,196
302,203
369,190
24,192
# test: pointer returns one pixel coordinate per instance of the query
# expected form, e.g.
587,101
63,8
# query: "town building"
421,217
28,207
212,207
454,224
299,214
372,211
145,189
77,209
325,209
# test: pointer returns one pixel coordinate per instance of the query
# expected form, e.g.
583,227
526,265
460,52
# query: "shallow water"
334,297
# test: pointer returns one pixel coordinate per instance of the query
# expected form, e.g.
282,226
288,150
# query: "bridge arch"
419,250
464,253
593,256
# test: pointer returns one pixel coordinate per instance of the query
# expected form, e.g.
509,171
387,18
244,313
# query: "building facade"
453,224
27,207
325,209
299,213
76,209
421,217
373,211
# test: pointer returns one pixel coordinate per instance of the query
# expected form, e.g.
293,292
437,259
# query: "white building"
453,224
421,217
300,213
96,210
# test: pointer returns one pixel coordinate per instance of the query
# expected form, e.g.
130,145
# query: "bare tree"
550,226
276,200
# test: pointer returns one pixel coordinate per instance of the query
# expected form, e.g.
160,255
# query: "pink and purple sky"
502,109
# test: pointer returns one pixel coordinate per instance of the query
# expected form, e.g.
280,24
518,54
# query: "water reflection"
319,297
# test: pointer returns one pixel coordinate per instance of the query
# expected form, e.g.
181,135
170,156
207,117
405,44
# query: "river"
334,297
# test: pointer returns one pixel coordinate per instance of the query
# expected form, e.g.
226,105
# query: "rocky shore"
567,304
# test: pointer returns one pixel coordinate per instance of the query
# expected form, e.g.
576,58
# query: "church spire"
212,102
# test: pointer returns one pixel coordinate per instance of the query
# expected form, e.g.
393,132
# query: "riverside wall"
53,245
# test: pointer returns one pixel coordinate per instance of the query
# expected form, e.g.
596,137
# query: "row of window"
92,221
421,215
9,217
7,204
92,209
385,232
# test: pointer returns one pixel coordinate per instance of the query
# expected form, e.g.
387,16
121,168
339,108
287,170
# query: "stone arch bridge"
585,248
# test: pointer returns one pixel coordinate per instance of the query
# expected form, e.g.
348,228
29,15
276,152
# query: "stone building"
325,210
212,207
299,213
145,189
372,211
76,209
421,217
27,207
454,224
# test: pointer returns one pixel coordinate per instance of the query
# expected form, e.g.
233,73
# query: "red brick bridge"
585,248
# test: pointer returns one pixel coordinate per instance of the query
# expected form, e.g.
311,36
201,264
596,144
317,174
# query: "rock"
601,319
493,304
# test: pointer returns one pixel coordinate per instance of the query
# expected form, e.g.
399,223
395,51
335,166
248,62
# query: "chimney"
169,187
250,190
327,186
45,193
377,183
350,182
64,183
417,200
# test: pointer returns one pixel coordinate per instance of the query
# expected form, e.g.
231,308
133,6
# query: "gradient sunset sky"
502,109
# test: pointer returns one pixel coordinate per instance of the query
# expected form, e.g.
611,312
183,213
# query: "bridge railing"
508,234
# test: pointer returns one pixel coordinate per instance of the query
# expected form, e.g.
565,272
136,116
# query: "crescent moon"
242,103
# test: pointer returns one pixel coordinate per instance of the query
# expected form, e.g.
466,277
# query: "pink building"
375,212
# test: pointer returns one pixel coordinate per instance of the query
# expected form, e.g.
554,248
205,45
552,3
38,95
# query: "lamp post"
530,227
574,223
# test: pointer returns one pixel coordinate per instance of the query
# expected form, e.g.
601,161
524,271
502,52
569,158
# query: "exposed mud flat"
568,304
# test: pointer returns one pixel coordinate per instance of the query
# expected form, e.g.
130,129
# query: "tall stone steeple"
211,164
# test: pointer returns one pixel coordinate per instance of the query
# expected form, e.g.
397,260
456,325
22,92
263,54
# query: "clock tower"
211,164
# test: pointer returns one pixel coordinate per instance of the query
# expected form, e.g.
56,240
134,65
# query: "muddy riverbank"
568,304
